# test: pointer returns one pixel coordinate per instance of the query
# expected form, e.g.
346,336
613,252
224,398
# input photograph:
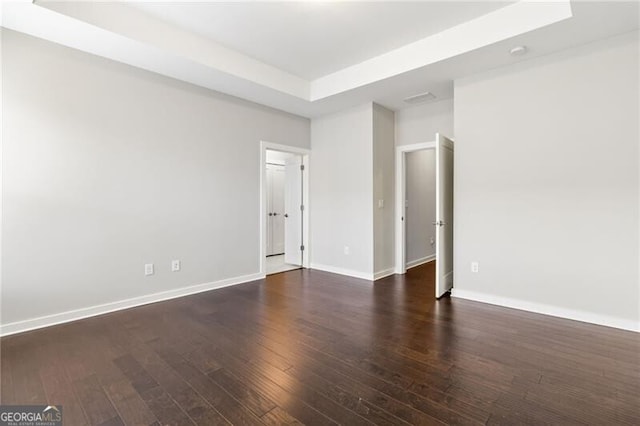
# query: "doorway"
283,201
420,207
424,223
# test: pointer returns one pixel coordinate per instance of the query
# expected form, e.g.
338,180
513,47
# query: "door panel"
444,215
293,213
277,208
269,210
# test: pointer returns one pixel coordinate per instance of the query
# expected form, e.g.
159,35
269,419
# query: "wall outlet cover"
148,269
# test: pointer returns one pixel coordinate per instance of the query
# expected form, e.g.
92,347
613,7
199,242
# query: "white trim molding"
342,271
92,311
354,274
421,261
554,311
384,273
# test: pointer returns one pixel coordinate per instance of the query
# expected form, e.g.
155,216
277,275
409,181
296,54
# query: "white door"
444,215
269,209
293,211
277,209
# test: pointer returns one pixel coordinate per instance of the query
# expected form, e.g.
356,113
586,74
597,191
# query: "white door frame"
401,179
305,153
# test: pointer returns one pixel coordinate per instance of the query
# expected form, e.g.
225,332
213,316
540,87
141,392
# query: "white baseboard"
354,274
421,261
49,320
544,309
343,271
384,273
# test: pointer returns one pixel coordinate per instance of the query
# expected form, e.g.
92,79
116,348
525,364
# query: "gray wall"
420,211
341,190
420,123
383,189
352,169
547,182
106,168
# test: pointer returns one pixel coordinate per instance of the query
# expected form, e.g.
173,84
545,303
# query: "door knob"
270,214
286,215
439,223
275,214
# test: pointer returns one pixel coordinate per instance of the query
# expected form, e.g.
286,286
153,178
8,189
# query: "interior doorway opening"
284,217
424,206
420,207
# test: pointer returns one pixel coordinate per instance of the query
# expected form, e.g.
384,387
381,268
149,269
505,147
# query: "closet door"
269,210
277,200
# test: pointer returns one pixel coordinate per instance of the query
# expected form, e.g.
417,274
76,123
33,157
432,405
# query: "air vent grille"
421,97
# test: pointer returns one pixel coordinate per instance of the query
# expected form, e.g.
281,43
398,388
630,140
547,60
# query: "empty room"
320,212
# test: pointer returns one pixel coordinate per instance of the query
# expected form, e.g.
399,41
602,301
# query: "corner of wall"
383,189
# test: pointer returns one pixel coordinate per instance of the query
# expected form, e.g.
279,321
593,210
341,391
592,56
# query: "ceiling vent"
421,97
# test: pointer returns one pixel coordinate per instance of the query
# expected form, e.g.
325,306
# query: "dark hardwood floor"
316,348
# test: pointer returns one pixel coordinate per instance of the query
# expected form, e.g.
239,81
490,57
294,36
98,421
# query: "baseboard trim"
544,309
92,311
421,261
342,271
384,273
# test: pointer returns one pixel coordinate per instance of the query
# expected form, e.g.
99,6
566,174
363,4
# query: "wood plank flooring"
308,347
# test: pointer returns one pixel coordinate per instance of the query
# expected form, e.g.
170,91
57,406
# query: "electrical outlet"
432,241
148,269
347,250
175,265
475,266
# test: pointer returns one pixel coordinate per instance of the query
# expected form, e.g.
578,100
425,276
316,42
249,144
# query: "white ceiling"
311,39
278,54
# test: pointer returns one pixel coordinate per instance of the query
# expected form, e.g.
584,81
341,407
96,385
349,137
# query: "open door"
444,215
293,245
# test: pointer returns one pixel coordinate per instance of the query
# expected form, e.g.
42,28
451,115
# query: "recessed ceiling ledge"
485,30
83,25
135,36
